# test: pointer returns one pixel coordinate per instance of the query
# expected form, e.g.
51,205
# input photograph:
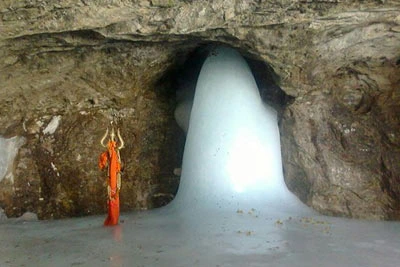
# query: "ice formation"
53,125
182,114
232,154
9,148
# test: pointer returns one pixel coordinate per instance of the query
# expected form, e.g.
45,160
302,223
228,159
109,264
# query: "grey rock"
28,216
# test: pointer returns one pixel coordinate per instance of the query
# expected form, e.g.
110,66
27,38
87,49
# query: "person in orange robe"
111,159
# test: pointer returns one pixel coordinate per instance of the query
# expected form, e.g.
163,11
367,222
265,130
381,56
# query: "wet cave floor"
165,237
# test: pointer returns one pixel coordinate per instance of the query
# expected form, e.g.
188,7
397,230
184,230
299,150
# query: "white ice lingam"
232,156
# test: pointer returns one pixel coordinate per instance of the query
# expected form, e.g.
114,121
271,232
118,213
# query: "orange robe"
110,158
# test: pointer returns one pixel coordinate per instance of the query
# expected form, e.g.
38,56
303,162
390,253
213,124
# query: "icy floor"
232,207
233,238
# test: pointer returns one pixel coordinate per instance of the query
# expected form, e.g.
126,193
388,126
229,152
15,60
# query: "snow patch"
53,125
53,166
9,148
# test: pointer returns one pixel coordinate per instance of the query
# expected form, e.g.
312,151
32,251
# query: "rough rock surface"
84,61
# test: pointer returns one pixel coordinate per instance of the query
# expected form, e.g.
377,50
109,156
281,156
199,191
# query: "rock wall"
62,101
73,64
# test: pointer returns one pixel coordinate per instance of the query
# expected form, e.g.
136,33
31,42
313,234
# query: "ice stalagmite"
232,154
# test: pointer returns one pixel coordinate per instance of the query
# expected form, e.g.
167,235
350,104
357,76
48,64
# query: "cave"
328,70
